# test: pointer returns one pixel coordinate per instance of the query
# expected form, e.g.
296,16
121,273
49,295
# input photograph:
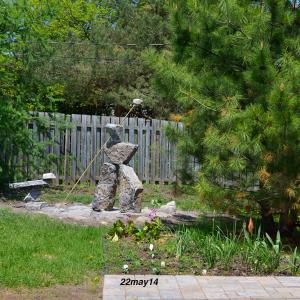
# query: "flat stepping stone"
167,287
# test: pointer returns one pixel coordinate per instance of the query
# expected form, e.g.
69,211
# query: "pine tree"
234,65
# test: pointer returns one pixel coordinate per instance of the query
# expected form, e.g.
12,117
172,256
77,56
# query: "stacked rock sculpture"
118,172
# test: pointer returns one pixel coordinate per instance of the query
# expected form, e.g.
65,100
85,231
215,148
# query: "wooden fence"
74,144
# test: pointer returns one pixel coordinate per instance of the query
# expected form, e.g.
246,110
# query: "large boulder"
131,189
106,188
120,153
169,208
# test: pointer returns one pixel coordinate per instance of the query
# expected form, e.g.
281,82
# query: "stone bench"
33,186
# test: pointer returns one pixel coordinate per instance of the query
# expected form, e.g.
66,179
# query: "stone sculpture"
118,172
106,188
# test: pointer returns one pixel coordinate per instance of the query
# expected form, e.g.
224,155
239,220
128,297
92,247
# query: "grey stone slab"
186,280
115,280
114,297
114,292
131,189
192,293
33,195
168,281
251,285
170,293
289,281
139,291
232,287
120,153
35,205
148,298
28,184
253,293
169,208
106,189
216,296
234,295
195,287
207,290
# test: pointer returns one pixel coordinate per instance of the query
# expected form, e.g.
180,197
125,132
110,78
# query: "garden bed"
203,251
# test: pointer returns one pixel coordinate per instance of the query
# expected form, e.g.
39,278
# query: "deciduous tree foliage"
91,52
235,69
73,57
22,24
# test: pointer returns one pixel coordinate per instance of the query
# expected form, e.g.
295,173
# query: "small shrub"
147,232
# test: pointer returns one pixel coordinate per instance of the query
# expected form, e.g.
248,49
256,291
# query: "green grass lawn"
38,251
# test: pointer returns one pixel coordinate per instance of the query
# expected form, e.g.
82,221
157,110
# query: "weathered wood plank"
155,160
73,147
154,146
147,151
132,122
94,147
66,149
28,184
88,147
84,145
163,152
104,136
56,146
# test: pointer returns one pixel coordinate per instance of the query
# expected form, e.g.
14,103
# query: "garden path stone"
188,287
84,214
169,208
35,205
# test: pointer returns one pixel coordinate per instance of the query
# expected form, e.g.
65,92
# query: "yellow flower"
175,117
269,157
290,192
264,175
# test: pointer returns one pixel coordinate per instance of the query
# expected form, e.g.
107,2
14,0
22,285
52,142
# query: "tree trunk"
288,222
268,224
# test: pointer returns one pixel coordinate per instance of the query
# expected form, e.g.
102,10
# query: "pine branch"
195,99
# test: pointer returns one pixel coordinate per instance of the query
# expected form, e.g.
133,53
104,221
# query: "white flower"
204,272
163,264
152,255
125,267
151,247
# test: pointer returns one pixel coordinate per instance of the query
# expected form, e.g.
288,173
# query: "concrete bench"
33,186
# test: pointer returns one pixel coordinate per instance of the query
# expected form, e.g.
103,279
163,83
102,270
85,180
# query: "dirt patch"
86,291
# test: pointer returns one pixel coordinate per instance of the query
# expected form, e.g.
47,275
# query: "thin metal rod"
96,155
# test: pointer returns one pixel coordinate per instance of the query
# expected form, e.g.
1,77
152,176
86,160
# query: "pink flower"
128,216
152,214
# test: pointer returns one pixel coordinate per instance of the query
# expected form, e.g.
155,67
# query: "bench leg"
33,195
